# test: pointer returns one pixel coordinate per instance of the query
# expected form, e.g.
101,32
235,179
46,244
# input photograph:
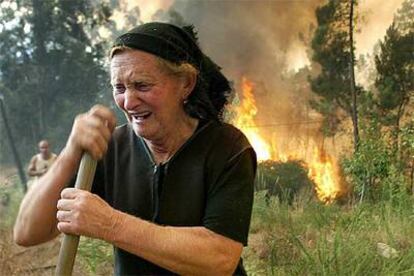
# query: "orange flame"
245,121
322,168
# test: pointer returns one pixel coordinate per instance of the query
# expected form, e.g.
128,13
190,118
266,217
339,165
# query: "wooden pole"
354,108
13,147
70,243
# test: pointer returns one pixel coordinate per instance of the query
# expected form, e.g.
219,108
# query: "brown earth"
35,260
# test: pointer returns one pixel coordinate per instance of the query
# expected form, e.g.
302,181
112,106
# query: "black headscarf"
180,45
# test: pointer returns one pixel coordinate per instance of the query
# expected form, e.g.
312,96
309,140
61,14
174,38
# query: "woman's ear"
189,80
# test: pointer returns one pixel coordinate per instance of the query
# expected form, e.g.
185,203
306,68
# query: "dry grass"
330,240
93,258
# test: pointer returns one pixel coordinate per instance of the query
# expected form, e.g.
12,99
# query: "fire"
245,121
322,168
324,172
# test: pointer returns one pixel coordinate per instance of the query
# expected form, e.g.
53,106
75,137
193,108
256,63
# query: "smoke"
376,18
267,42
246,36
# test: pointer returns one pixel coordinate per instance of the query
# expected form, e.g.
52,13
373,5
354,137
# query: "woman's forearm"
36,220
184,250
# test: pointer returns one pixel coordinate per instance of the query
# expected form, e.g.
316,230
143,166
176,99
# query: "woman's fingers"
64,204
105,114
91,131
63,216
83,213
69,193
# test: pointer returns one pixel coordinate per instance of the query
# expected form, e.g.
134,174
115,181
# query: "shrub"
375,169
282,179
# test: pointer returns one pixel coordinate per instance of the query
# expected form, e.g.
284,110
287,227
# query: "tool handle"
70,243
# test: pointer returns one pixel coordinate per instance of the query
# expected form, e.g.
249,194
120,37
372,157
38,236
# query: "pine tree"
395,70
333,48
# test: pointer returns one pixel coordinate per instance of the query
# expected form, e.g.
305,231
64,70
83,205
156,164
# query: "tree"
395,67
354,112
333,48
51,67
404,19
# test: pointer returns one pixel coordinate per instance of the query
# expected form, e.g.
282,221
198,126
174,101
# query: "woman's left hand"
83,213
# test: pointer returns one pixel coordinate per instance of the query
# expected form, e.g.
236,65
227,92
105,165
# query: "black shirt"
208,182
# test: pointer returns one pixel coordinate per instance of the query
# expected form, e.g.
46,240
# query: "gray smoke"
255,39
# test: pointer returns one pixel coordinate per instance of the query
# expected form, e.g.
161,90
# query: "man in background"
41,162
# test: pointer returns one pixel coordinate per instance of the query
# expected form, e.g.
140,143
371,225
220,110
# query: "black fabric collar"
202,124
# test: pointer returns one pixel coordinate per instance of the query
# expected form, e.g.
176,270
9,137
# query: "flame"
322,167
323,170
245,121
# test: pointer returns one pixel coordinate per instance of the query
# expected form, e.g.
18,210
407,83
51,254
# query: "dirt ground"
36,260
17,260
6,173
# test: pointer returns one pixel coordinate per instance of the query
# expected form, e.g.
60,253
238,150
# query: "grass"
313,239
305,238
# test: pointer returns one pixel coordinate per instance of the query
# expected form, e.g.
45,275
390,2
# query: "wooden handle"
70,243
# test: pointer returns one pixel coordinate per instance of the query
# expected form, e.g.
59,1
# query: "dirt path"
17,260
35,260
7,174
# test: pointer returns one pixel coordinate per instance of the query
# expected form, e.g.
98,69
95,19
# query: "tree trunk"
13,147
41,60
397,142
39,35
352,77
412,176
42,124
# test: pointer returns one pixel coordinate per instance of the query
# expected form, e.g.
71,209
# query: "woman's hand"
91,132
83,213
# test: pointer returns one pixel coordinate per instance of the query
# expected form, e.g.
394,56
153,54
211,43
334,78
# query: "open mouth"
139,117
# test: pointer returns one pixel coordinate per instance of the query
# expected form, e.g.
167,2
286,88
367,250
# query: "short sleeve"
230,199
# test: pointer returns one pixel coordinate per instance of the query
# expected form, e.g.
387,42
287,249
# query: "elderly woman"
173,191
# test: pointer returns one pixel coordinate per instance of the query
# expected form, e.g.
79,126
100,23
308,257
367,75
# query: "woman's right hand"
91,132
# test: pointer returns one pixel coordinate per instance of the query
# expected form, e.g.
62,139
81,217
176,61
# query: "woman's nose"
131,99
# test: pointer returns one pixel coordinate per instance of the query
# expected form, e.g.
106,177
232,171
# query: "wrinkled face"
44,149
151,98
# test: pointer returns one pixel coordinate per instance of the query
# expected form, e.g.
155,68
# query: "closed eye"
119,88
142,86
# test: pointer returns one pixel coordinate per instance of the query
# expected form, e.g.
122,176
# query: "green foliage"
407,152
374,170
407,136
332,51
395,79
51,69
404,18
283,179
10,197
96,255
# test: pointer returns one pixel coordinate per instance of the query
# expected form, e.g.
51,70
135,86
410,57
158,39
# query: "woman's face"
151,99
